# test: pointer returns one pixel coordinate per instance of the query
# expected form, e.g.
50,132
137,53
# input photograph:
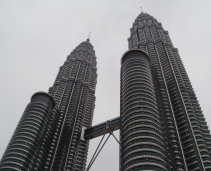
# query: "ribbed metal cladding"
73,90
30,135
142,145
187,137
173,145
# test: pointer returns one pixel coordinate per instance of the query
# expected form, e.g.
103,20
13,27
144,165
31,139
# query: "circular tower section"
30,135
141,131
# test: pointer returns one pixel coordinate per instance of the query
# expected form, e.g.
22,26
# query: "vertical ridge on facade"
29,139
162,126
74,90
185,130
48,134
142,145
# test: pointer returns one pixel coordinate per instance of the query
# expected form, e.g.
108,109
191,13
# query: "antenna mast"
89,35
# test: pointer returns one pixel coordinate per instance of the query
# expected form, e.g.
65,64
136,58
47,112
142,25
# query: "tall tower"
29,145
48,134
74,93
162,125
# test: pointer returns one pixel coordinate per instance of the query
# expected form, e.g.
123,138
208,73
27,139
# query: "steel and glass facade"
74,93
161,124
159,103
29,145
142,146
48,134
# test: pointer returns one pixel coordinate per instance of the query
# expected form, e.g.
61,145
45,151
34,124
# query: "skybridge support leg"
96,153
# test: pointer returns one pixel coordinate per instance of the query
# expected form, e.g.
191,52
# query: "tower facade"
74,93
30,143
49,132
162,125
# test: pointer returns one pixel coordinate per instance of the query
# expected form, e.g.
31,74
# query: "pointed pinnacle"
89,36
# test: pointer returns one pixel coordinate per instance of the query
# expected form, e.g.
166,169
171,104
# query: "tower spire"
141,9
89,36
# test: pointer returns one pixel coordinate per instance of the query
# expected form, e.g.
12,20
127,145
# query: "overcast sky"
36,37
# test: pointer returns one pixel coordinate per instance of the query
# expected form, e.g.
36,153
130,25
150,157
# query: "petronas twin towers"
161,123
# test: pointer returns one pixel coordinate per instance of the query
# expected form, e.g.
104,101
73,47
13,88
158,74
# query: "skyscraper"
162,125
48,134
74,93
30,143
